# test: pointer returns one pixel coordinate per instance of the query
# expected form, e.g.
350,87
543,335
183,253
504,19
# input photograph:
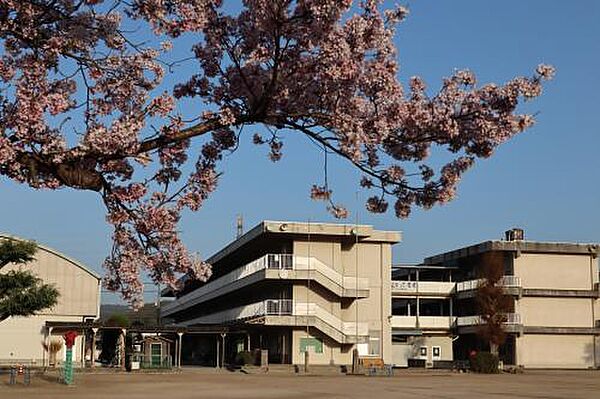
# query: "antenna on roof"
240,225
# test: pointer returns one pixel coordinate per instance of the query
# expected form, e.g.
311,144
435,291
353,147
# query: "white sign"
404,285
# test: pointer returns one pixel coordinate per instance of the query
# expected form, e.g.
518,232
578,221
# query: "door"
155,355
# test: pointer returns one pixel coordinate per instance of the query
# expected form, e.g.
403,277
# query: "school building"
327,289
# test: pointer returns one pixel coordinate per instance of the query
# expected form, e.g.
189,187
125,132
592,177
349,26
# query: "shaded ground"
212,385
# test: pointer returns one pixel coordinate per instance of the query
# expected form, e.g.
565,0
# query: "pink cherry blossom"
85,105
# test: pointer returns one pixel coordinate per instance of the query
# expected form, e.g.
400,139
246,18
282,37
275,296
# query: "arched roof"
4,236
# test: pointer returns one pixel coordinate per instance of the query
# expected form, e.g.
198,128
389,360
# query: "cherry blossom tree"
88,103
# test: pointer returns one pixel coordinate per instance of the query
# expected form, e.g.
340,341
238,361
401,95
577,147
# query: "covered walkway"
206,345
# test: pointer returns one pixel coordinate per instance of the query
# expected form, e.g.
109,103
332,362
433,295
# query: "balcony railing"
433,287
282,307
468,285
270,262
508,318
436,322
505,281
278,307
510,281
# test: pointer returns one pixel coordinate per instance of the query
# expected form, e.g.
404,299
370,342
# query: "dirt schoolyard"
215,385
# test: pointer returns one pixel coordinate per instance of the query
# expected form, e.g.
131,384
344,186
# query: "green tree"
22,293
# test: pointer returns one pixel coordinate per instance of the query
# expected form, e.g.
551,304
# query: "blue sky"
545,180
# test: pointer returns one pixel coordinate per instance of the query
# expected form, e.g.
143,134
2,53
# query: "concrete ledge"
513,291
561,330
510,328
561,293
592,249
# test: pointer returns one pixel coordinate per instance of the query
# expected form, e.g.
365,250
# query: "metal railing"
270,262
507,318
281,307
434,287
279,261
510,281
142,361
505,281
468,285
278,307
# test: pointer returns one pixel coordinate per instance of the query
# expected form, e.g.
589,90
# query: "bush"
484,362
244,357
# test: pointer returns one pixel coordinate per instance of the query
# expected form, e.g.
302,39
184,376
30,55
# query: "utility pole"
158,304
240,225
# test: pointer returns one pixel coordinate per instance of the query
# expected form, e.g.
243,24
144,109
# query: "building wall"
22,337
556,351
556,271
333,352
412,349
374,263
328,252
555,312
79,290
444,342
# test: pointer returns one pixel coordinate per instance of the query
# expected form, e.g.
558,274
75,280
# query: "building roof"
305,229
516,246
4,236
362,231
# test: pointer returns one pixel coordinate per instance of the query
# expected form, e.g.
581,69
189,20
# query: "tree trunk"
494,348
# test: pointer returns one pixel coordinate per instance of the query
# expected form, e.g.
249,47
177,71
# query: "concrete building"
327,288
22,338
554,315
295,287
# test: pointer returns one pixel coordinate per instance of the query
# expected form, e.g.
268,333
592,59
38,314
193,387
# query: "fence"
141,361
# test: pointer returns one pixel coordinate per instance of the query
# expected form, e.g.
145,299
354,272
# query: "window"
423,352
399,339
436,351
434,307
404,307
311,345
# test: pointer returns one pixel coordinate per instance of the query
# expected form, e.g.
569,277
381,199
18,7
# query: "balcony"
510,281
511,285
286,312
509,318
272,266
439,288
423,322
511,322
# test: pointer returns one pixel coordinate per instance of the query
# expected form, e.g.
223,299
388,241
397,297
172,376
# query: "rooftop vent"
514,234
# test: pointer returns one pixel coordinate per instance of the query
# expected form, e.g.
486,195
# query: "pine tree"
22,293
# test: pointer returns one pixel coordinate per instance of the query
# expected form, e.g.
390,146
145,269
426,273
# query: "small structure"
155,352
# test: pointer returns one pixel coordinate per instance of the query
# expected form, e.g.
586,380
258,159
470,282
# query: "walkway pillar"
93,351
48,340
218,354
223,350
122,347
83,343
180,335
